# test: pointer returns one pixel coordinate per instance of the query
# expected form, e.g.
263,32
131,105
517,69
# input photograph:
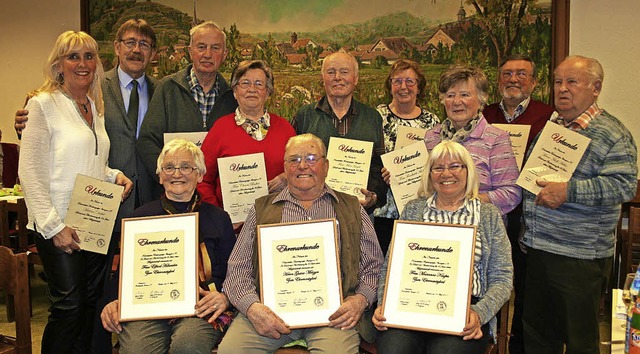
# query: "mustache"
135,56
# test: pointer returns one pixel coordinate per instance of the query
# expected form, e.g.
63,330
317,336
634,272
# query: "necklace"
80,104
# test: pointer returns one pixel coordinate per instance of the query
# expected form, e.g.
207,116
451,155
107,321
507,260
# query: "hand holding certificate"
554,157
406,166
349,162
92,212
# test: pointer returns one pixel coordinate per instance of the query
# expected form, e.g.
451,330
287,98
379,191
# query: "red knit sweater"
228,139
536,115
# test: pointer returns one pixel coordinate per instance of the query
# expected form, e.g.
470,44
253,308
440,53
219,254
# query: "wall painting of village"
295,36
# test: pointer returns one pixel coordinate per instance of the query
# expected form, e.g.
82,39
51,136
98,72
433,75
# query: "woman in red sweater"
251,129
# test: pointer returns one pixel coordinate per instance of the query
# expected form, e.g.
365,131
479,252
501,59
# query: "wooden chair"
503,331
5,240
14,280
630,255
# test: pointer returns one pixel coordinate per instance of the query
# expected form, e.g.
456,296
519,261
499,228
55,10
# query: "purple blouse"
496,166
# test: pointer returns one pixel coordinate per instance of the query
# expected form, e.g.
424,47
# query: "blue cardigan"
583,227
496,269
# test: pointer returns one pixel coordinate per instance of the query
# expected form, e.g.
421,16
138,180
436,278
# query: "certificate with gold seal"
299,271
428,284
158,269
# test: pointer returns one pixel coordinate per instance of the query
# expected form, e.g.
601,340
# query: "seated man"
257,328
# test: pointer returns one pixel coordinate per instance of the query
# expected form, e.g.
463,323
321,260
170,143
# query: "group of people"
111,126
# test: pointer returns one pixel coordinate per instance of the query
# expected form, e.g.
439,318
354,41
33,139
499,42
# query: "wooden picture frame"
299,271
429,277
159,267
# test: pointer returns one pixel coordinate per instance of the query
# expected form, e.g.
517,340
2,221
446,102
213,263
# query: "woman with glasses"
463,91
180,167
405,83
250,129
66,137
449,194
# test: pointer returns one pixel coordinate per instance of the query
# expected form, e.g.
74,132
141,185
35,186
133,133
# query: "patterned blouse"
390,123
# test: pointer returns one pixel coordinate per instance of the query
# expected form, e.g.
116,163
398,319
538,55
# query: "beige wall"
598,29
29,28
609,33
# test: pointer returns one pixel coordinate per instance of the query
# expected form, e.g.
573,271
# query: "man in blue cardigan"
569,226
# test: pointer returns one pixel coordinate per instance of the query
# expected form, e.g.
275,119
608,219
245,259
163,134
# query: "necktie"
134,103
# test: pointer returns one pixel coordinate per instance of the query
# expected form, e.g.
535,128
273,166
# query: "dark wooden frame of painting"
560,14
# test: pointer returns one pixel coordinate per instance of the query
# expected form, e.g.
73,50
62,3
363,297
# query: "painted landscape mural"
293,37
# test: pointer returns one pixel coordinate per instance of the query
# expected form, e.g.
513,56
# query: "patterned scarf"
256,129
449,131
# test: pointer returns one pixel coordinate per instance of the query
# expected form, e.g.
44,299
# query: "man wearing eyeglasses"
339,114
516,82
191,99
306,197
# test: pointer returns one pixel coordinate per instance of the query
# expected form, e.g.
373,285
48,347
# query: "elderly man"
569,226
339,114
516,81
191,99
257,329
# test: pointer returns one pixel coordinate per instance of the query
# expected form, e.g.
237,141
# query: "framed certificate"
158,269
299,271
428,286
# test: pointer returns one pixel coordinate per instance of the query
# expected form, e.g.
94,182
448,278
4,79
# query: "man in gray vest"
306,197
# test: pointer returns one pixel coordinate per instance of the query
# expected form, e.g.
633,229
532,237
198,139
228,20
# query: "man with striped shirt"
306,197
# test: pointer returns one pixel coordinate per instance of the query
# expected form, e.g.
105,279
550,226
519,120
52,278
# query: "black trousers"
74,282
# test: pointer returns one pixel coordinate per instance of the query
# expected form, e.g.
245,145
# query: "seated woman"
449,194
180,168
251,129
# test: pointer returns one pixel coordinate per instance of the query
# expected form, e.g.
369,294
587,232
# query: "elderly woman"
180,168
405,84
449,194
463,91
66,137
251,129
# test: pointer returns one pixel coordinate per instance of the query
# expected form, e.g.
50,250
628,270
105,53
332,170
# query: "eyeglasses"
215,48
310,159
184,170
245,84
520,75
453,168
131,43
409,81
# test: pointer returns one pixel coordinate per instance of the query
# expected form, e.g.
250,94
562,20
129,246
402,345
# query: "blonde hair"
182,145
454,151
66,43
